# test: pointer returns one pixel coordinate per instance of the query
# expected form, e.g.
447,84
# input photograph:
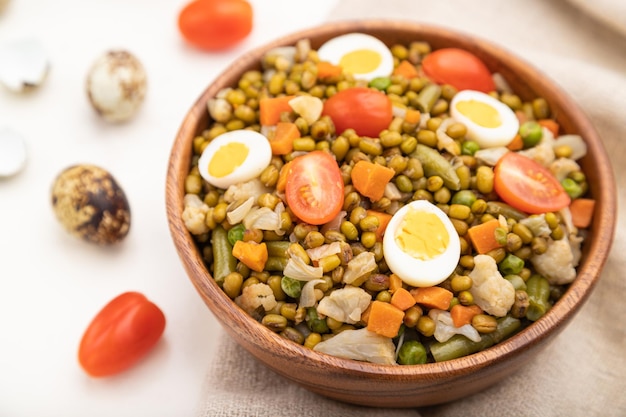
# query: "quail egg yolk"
422,235
480,113
227,158
360,61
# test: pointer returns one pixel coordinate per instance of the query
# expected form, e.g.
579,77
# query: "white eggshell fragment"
12,152
116,85
23,64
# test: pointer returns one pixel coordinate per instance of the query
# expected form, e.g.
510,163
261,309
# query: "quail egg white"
420,244
489,122
234,157
361,55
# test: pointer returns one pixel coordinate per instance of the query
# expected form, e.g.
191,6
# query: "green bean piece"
511,265
459,345
495,208
291,287
572,188
278,248
412,352
538,290
436,164
223,260
314,322
531,133
517,281
427,97
380,83
236,233
275,263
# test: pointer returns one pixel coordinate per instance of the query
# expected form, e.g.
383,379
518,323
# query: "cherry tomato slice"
527,186
459,68
122,333
365,110
314,188
215,24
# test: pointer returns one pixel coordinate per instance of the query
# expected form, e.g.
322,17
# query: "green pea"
572,188
511,265
291,287
380,83
412,353
469,147
531,133
314,322
465,197
236,233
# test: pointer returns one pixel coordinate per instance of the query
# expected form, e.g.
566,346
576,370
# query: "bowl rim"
588,272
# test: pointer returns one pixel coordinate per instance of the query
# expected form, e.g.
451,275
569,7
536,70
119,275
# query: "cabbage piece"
543,152
444,141
263,218
307,293
360,345
561,167
242,191
491,292
324,251
490,156
576,144
346,304
537,224
308,107
297,269
359,268
445,328
237,214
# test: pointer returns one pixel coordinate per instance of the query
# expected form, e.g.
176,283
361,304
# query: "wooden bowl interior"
400,386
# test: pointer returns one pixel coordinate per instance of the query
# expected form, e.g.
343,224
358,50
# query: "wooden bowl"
415,385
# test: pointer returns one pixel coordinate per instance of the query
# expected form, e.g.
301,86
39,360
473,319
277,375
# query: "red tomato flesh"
528,186
215,24
314,189
459,68
365,110
122,333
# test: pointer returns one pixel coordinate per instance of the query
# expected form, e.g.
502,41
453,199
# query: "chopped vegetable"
383,221
402,299
361,345
255,296
491,292
483,236
384,319
581,210
436,164
551,125
557,263
345,304
365,110
281,141
462,315
406,69
370,179
252,254
327,70
432,297
270,109
445,328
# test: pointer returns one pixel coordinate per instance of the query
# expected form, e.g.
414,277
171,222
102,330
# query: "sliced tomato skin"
528,186
314,188
365,110
122,333
459,68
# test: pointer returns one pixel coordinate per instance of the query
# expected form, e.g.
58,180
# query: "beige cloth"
582,373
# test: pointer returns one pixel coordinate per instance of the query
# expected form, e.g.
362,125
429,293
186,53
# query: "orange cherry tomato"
314,189
215,24
459,68
365,110
528,186
122,333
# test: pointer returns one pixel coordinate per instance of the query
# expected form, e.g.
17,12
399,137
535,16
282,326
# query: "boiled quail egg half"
234,157
361,55
420,244
489,122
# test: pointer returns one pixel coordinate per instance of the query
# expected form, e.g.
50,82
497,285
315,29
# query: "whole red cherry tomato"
122,333
459,68
365,110
215,24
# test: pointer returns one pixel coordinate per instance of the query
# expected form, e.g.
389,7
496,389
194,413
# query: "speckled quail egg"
91,205
489,122
116,85
234,157
359,54
420,244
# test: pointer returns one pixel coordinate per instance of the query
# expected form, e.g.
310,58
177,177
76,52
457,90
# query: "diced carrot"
327,70
281,184
384,319
383,221
483,236
551,125
462,315
281,141
432,297
582,211
252,254
270,109
395,282
516,144
370,179
402,299
412,116
406,69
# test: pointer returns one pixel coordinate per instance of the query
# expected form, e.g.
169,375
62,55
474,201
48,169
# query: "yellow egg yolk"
227,158
422,235
480,113
360,61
